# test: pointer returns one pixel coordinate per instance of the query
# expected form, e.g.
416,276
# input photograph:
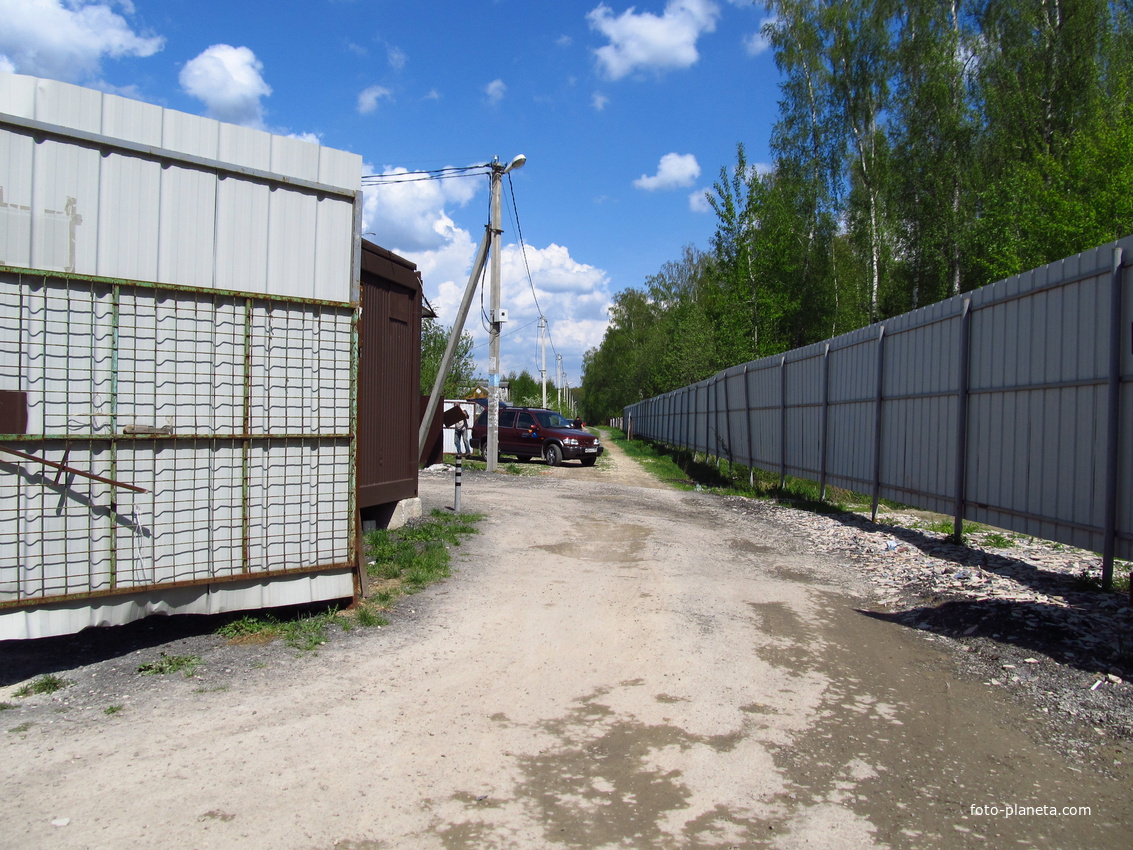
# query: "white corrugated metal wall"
177,301
1017,378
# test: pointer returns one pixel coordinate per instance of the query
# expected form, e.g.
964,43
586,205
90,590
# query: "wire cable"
514,209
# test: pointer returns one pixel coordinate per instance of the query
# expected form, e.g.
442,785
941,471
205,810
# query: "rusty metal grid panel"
175,438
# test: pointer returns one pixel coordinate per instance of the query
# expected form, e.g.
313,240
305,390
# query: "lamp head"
518,162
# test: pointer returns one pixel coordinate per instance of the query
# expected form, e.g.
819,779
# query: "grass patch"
996,540
5,706
368,618
165,664
405,560
47,684
687,470
23,727
1091,579
112,709
305,631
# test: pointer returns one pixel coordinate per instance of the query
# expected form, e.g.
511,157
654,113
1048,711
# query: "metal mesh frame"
175,436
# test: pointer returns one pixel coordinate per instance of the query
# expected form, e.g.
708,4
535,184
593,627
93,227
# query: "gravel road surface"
612,665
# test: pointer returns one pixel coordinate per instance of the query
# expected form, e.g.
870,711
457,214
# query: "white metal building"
178,381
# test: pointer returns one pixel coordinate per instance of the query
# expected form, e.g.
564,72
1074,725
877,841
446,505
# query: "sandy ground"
612,665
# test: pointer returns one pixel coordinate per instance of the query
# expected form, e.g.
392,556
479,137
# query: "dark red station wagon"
528,432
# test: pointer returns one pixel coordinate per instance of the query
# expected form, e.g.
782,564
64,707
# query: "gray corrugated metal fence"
1009,405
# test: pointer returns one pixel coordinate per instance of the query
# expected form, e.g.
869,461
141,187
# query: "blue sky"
626,114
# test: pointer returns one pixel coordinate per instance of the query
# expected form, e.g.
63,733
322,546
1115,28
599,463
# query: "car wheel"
523,458
588,461
553,454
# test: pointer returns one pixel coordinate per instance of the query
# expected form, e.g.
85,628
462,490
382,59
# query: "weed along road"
612,664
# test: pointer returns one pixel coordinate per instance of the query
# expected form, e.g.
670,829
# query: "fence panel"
1011,405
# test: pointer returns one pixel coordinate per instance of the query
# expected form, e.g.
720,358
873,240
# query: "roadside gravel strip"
613,664
1022,614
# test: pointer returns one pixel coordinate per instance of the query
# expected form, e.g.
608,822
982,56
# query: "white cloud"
410,214
312,138
564,41
228,81
413,219
68,39
757,42
574,297
698,202
495,91
599,101
649,42
6,65
674,171
396,57
368,98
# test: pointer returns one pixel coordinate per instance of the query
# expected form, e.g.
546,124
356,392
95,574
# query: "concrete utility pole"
559,381
543,342
490,242
497,316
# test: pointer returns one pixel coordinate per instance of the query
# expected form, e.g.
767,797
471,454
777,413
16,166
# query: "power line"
514,209
392,177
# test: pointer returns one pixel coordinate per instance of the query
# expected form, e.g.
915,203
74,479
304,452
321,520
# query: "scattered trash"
891,544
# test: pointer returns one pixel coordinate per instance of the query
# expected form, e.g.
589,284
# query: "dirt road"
612,665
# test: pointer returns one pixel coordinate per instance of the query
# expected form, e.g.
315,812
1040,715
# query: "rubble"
1027,615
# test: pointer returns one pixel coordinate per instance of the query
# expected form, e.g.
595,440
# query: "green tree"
932,132
525,390
1053,88
434,338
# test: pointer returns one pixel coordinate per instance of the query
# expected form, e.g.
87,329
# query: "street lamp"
496,315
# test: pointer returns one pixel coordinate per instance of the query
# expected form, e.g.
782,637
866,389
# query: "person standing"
460,432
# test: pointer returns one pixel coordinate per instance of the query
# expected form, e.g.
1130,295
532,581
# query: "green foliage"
526,391
414,556
434,338
112,709
46,684
923,149
997,540
368,618
305,631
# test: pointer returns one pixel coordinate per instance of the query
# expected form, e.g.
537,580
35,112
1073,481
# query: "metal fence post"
750,431
878,421
962,418
1113,441
728,425
782,424
825,421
